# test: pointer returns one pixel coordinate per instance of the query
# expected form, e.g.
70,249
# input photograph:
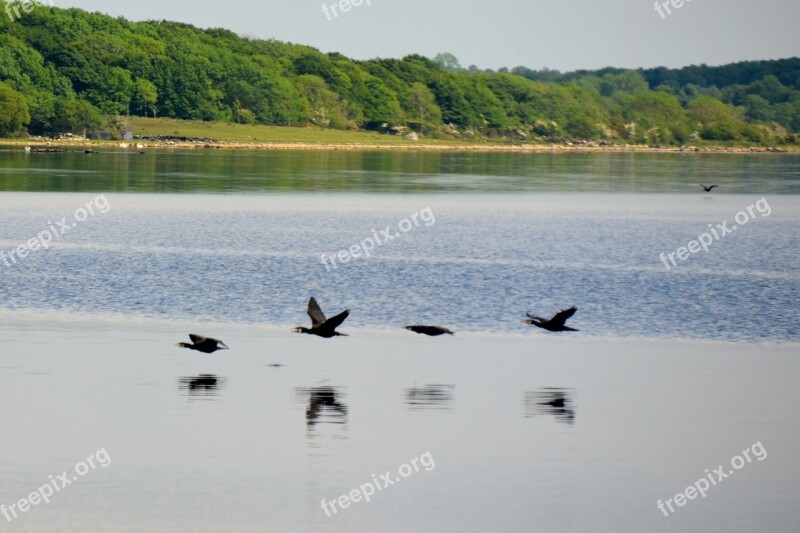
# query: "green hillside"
67,70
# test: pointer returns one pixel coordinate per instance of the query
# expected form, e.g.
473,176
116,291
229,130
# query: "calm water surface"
672,372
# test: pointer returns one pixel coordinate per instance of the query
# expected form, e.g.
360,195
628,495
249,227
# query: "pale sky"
558,34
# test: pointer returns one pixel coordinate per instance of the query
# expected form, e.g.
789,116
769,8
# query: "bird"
321,326
203,344
557,323
708,189
432,331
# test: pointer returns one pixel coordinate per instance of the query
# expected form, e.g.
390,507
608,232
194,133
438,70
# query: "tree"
325,106
719,122
421,106
14,114
145,96
76,116
448,62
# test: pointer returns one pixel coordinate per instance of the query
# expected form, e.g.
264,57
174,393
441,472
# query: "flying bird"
321,326
708,189
432,331
557,323
203,344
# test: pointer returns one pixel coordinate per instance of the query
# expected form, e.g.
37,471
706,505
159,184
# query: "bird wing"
197,339
336,321
562,317
316,314
711,187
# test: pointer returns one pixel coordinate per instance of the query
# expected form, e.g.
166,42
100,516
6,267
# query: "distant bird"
433,331
557,323
28,149
708,189
321,326
203,344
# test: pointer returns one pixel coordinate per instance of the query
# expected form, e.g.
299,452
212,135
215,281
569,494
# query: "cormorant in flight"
321,326
203,344
433,331
557,323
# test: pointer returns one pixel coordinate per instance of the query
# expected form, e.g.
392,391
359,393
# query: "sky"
557,34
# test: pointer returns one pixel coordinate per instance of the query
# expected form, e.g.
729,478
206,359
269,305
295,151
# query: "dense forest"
67,70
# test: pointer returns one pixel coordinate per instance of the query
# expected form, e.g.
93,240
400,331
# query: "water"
673,370
475,263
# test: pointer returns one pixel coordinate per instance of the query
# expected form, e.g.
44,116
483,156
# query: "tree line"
67,70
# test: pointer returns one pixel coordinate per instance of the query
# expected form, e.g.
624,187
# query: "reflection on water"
202,387
172,171
429,397
325,406
550,401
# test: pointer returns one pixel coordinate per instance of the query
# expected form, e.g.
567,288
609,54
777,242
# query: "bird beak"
222,344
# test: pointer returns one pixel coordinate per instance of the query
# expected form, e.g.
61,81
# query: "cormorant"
321,326
708,189
203,344
557,323
433,331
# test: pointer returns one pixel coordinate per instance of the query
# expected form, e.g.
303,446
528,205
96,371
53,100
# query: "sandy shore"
62,144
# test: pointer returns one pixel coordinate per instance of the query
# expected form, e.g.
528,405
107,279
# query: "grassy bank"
227,132
244,136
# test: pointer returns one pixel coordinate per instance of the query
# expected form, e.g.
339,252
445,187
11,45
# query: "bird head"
300,330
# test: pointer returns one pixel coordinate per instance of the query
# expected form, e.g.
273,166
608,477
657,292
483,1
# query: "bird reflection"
429,397
202,387
325,406
552,401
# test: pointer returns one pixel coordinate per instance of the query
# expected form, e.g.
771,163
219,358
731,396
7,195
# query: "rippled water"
479,263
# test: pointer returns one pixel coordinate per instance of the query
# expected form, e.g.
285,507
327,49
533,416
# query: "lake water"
678,365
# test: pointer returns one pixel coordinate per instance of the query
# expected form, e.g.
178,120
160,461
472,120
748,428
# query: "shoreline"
408,146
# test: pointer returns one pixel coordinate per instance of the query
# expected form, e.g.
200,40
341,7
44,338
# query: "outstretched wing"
336,321
197,339
316,314
561,318
712,187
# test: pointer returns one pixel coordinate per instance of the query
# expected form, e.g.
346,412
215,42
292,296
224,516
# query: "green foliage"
76,116
718,121
448,62
14,115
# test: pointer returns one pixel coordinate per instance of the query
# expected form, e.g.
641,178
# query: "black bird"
708,189
203,344
321,326
433,331
557,323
